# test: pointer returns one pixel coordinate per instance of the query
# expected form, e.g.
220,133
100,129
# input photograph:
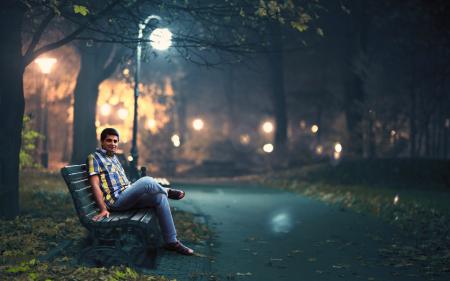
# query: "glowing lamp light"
336,155
244,139
338,147
314,128
105,109
198,124
319,149
130,158
151,123
267,127
396,198
126,72
45,64
161,39
123,113
268,148
176,140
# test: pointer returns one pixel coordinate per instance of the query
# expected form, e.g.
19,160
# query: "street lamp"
45,65
165,41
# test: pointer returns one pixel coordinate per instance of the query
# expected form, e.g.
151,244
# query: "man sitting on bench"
114,192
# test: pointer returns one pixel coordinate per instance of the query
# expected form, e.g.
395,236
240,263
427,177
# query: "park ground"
382,220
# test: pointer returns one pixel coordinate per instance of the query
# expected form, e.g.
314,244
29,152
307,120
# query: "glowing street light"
319,149
314,128
268,148
338,147
151,124
244,139
105,109
161,39
45,65
123,113
198,124
176,140
267,127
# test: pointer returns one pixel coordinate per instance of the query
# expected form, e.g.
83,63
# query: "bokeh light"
268,148
198,124
267,127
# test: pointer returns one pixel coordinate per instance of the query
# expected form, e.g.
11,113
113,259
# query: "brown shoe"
175,194
179,248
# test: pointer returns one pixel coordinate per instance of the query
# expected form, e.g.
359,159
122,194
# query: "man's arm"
95,184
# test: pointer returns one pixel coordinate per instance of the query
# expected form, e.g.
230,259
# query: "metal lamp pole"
46,65
134,150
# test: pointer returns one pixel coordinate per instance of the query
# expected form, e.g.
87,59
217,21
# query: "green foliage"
29,138
82,10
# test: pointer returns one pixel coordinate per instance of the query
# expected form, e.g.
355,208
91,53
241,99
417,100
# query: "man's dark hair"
110,132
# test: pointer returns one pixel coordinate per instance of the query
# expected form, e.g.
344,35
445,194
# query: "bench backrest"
77,181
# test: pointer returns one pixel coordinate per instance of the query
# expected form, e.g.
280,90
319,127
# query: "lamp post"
46,65
161,39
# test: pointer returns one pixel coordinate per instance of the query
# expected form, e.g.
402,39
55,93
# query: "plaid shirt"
113,180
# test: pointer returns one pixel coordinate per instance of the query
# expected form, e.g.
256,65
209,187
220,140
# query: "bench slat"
77,176
75,169
147,217
77,185
139,215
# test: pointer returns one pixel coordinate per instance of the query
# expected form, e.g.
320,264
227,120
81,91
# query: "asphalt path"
268,234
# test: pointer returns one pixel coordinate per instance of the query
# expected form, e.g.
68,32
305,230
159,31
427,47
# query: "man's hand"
103,213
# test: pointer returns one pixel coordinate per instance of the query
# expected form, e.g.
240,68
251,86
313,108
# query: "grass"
47,219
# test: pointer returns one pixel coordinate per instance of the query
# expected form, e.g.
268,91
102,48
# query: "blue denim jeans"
145,193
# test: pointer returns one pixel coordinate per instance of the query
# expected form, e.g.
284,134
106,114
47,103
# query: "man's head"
109,139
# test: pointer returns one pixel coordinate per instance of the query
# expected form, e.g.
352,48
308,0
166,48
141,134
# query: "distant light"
302,124
396,198
281,223
151,123
198,124
175,140
126,72
338,147
267,127
314,128
268,148
337,155
130,158
244,139
45,64
319,149
161,39
393,133
447,123
105,109
123,113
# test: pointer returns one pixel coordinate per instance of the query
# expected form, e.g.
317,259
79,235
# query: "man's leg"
146,192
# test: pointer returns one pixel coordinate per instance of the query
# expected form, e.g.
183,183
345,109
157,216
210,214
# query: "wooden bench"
118,233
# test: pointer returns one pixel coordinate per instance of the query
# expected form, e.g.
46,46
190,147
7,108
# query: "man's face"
110,144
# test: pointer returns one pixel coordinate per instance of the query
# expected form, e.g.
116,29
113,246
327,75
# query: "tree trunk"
412,124
12,106
278,95
97,63
85,104
355,96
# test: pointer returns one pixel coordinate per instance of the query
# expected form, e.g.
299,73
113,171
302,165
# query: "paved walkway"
267,234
